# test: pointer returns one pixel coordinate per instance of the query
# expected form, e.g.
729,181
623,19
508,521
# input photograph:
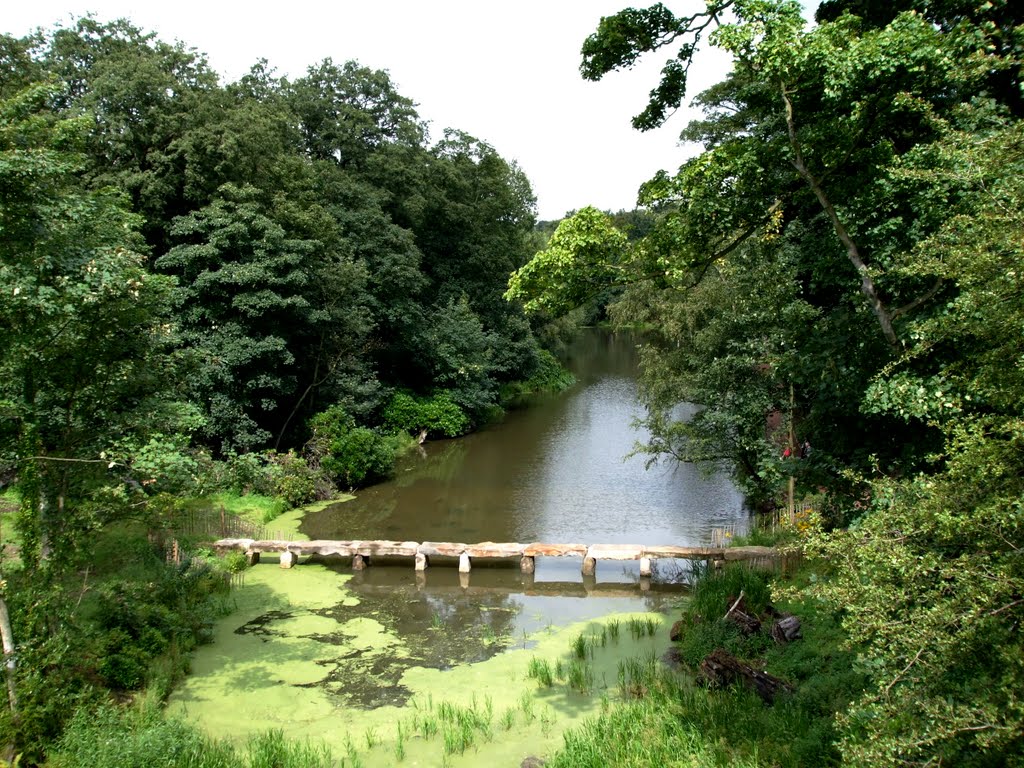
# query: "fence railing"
205,523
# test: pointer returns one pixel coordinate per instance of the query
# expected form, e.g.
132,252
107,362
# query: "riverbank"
303,666
673,718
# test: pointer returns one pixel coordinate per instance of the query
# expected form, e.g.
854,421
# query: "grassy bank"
670,719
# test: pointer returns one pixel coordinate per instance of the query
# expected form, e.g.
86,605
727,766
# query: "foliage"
935,604
841,265
83,329
107,736
130,622
549,377
666,719
579,261
324,251
438,414
355,455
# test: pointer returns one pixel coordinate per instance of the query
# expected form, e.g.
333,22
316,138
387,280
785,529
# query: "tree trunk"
7,637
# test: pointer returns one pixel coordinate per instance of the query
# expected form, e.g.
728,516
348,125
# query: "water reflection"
556,471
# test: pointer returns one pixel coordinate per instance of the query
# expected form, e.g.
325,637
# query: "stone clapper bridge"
362,552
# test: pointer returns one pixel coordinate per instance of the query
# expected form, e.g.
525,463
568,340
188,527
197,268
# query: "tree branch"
867,285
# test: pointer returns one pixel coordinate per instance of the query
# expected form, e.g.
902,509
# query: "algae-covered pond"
388,666
312,654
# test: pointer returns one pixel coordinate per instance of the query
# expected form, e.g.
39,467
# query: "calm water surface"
555,472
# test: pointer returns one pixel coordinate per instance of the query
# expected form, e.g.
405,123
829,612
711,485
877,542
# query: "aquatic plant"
400,742
642,627
428,726
580,676
547,720
351,754
579,646
637,676
371,737
613,629
526,705
540,670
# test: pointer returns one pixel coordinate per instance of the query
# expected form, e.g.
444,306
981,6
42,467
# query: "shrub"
106,736
439,414
355,455
297,482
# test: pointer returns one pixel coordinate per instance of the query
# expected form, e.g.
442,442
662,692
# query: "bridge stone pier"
362,553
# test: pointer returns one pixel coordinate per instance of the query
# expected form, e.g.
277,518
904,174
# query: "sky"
506,73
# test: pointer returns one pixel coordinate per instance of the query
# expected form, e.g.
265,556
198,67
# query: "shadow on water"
556,472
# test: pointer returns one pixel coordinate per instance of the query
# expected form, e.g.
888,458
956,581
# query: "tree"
141,95
583,257
84,330
868,169
349,112
242,298
931,579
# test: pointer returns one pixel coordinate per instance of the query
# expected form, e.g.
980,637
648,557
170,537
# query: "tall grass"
662,718
111,737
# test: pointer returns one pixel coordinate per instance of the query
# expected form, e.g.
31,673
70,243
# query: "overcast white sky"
507,73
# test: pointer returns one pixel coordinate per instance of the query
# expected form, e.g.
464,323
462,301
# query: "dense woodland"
270,285
198,264
840,270
279,282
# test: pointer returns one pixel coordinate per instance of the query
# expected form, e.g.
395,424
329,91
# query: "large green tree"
84,329
851,235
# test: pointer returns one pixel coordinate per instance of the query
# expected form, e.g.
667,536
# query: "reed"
540,670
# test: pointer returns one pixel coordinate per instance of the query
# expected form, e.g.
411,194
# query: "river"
555,472
307,643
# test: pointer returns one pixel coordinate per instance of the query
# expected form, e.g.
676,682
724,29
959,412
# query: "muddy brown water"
555,471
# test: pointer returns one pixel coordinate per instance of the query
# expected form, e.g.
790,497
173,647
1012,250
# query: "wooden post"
527,564
792,456
422,561
464,563
645,566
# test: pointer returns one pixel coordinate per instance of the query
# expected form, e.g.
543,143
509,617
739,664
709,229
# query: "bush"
297,482
106,736
355,455
439,414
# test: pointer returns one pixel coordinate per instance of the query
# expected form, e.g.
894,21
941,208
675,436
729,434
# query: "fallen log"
721,668
747,623
786,630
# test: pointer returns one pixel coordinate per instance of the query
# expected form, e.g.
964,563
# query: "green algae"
286,525
302,654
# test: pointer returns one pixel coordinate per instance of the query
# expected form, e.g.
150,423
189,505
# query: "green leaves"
83,329
620,40
582,258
